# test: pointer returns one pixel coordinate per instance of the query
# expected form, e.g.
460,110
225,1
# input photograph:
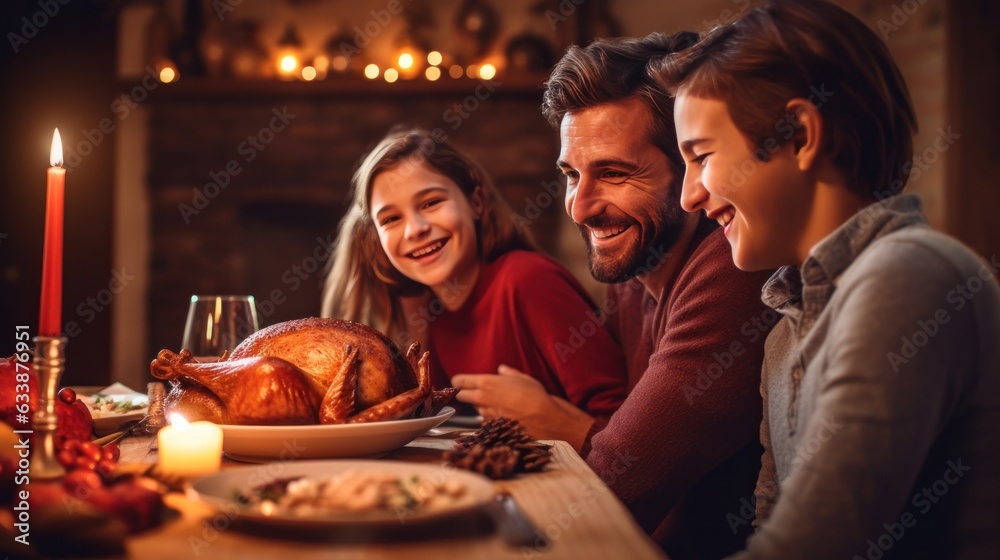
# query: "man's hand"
513,394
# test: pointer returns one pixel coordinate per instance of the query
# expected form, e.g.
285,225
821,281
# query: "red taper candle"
50,315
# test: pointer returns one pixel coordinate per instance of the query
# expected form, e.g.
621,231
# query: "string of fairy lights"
407,66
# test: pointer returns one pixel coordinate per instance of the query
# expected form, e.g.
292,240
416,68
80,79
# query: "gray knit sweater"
881,389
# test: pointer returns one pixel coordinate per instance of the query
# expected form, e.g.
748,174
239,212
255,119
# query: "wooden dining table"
574,513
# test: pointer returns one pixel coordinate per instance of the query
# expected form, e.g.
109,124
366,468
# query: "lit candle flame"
56,155
178,420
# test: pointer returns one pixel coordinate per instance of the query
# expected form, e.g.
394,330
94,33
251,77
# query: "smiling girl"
881,391
428,251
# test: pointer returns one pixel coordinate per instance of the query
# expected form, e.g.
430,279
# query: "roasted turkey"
305,371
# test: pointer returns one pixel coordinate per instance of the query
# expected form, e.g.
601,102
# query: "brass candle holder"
50,363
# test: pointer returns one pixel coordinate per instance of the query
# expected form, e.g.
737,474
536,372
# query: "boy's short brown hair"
817,51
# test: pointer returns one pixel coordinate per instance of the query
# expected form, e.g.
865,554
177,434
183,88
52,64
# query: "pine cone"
494,462
501,448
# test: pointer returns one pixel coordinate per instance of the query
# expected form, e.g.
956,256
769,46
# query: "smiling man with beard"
682,451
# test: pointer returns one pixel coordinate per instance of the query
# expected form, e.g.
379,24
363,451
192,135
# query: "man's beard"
640,256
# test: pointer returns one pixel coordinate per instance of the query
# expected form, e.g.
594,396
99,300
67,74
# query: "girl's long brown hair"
361,283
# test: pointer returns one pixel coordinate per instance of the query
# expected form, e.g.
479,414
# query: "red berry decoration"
105,468
67,395
84,464
111,452
80,482
87,466
90,450
66,458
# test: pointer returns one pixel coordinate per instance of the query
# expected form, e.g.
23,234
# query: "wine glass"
217,324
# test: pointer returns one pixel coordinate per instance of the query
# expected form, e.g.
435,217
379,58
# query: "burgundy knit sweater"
528,312
682,451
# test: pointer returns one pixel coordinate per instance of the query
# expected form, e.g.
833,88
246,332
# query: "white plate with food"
111,407
262,444
349,493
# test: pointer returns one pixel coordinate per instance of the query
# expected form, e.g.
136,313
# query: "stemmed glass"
217,324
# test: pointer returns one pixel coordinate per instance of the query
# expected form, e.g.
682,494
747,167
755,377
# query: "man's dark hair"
615,69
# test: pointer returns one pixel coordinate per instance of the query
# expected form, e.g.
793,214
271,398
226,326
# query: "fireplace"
248,180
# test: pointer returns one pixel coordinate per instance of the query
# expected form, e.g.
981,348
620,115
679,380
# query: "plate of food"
350,493
262,444
113,406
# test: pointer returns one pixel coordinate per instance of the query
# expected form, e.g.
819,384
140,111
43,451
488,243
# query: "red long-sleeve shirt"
682,450
528,312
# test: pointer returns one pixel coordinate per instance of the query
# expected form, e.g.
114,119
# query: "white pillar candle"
189,449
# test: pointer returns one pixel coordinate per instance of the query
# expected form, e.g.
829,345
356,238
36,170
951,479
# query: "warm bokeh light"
434,58
472,71
405,60
288,63
321,63
166,71
339,63
167,75
267,508
178,420
55,153
487,71
372,71
391,75
455,71
433,73
308,73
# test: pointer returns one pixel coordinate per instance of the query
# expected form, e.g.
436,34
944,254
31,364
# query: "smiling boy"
881,398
